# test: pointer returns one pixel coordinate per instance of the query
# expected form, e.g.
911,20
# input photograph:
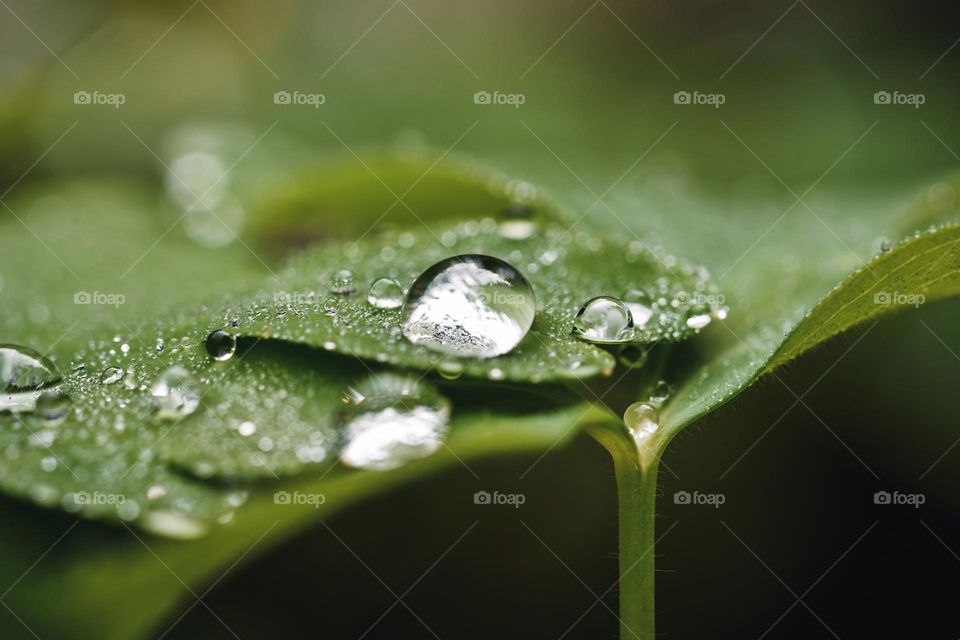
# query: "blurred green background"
597,82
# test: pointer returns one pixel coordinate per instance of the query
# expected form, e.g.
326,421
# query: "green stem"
636,473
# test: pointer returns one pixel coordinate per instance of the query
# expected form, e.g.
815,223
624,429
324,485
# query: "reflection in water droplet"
517,222
18,402
22,369
221,345
111,375
604,320
342,283
469,305
175,393
391,419
699,319
385,293
642,420
53,406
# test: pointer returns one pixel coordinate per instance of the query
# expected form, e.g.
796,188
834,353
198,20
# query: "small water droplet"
221,345
159,345
247,428
450,368
604,320
642,420
392,419
385,293
661,392
111,375
699,319
22,369
469,305
172,524
342,283
175,393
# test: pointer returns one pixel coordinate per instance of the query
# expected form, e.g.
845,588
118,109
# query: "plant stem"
636,474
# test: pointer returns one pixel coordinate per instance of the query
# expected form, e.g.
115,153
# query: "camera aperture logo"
299,98
297,498
497,98
114,100
897,98
699,499
889,298
896,498
496,498
698,98
99,298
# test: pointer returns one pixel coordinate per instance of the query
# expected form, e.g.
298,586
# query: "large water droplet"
385,293
604,320
469,305
390,420
175,393
221,345
23,369
642,420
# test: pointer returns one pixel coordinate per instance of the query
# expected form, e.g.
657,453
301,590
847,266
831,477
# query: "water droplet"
247,428
159,345
391,419
699,318
469,305
642,420
342,283
641,306
172,524
111,375
450,368
175,393
221,345
517,222
385,293
661,392
604,320
53,406
22,369
884,245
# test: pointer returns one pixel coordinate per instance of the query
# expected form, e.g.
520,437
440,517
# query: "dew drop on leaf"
390,420
175,393
22,369
604,320
342,283
111,375
221,345
642,420
517,222
469,305
385,293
